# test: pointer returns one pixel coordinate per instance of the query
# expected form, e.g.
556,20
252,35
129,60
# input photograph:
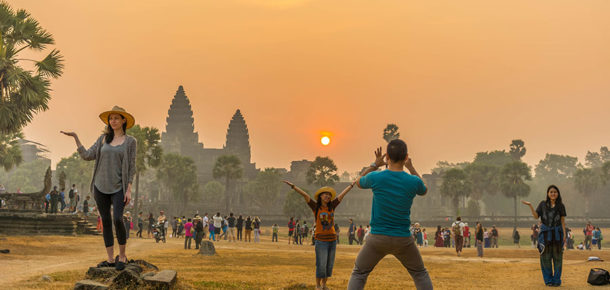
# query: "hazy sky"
457,77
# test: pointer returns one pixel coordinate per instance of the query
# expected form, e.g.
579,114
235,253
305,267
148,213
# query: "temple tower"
180,136
238,139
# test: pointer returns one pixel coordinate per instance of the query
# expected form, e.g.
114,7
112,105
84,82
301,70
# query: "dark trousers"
239,231
551,261
116,200
274,237
198,238
351,239
187,242
139,233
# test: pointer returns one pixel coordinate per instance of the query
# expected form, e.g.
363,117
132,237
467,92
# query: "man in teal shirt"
393,194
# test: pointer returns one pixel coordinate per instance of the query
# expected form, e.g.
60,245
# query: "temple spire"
238,139
180,130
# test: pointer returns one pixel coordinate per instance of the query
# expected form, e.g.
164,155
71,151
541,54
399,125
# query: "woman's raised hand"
289,183
379,158
71,134
526,202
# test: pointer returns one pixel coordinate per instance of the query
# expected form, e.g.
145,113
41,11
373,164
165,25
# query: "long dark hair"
319,203
110,133
548,200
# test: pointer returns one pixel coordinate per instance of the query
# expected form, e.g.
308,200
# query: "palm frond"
52,65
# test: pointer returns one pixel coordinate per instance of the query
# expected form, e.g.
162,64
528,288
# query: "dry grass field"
269,265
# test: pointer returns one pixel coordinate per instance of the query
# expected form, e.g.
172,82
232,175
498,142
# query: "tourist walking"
72,196
599,237
114,153
552,214
438,238
516,237
248,223
479,239
257,230
275,229
161,219
188,235
175,227
62,199
86,209
199,231
231,221
588,231
393,193
351,232
140,225
240,226
151,222
217,219
458,235
360,234
212,235
54,199
323,206
291,225
494,237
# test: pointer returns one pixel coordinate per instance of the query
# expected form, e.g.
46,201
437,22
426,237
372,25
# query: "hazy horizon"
456,77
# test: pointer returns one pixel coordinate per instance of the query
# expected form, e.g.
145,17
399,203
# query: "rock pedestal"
136,275
207,249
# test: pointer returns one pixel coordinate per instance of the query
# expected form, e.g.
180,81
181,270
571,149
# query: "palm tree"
512,181
228,167
390,133
455,186
178,174
149,154
587,181
10,152
24,92
517,149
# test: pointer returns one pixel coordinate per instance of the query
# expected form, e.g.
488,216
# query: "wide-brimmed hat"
324,189
118,110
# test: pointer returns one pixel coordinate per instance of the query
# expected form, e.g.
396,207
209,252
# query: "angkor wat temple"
180,137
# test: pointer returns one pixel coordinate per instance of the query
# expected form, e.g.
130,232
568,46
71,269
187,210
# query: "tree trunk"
586,206
515,201
136,198
227,195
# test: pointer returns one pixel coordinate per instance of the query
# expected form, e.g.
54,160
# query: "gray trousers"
377,247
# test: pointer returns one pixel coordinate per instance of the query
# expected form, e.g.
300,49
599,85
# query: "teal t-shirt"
393,194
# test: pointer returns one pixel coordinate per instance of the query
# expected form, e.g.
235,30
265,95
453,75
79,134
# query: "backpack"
71,194
598,276
456,229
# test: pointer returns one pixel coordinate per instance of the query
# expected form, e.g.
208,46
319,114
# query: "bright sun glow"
325,140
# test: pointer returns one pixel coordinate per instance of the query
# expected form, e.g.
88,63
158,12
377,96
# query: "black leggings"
104,201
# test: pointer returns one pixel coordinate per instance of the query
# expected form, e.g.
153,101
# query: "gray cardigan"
129,167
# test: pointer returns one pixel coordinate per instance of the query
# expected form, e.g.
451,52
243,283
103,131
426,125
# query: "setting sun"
325,140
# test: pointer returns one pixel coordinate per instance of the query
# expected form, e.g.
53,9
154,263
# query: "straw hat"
324,189
118,110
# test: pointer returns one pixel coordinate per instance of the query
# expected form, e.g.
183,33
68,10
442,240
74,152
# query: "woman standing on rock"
551,239
115,166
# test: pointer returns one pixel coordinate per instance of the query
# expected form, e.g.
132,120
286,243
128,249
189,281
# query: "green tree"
455,186
512,182
597,159
390,133
556,167
213,191
62,180
178,174
149,154
517,149
78,171
48,181
24,92
322,172
497,158
10,151
295,206
605,172
264,190
228,168
483,179
587,181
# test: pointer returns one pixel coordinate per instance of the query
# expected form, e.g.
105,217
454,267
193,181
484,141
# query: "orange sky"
457,77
